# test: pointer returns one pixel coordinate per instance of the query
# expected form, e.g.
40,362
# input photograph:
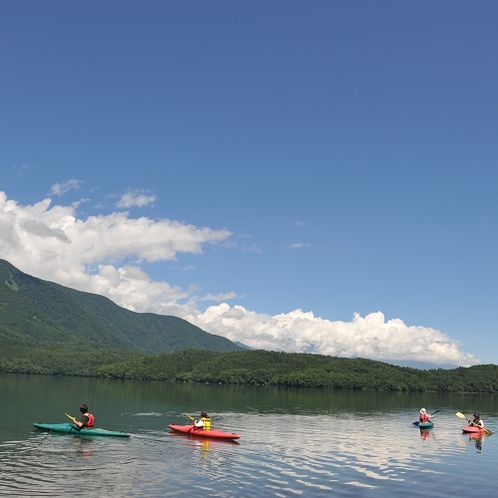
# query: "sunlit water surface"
293,442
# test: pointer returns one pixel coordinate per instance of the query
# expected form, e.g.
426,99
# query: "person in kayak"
204,423
424,416
87,419
477,421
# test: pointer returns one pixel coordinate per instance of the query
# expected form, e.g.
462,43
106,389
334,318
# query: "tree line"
272,368
250,367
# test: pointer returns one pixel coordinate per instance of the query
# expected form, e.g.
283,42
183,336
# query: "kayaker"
87,419
204,423
477,421
424,416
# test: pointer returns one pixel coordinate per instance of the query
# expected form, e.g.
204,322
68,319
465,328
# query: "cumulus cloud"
302,332
93,254
61,188
102,254
137,198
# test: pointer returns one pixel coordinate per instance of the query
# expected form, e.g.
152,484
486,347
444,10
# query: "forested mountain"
46,328
38,311
301,370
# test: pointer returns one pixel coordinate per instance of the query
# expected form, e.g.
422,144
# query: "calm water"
294,442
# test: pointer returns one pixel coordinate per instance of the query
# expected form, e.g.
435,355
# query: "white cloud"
135,198
298,331
219,297
298,245
51,243
102,254
61,188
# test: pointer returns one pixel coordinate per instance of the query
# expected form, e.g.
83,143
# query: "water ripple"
277,455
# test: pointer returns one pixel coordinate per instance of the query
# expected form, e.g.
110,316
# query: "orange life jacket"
424,417
91,420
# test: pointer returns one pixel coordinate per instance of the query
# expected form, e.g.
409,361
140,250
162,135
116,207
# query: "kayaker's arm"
76,422
73,419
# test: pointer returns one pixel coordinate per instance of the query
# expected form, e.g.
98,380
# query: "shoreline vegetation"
49,329
250,367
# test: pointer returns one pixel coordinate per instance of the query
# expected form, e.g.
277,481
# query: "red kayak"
194,431
472,429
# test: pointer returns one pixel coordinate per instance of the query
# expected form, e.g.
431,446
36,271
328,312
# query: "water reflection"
477,440
293,443
424,434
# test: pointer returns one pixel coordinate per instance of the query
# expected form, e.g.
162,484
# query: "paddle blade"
69,416
460,415
416,422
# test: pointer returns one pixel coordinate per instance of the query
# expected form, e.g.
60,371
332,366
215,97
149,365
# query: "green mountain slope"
36,310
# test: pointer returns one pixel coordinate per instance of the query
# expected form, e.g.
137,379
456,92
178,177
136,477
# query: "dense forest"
76,358
303,370
241,367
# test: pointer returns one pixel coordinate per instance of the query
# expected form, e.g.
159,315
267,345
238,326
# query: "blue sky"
305,176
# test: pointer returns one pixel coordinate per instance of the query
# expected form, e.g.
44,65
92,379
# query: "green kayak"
426,425
72,429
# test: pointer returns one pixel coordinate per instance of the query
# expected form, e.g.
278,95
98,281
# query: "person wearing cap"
204,423
477,421
424,416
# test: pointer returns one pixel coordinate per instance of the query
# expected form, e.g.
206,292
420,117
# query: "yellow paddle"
76,426
487,431
70,416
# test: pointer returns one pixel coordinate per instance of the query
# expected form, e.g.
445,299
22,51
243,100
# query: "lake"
294,442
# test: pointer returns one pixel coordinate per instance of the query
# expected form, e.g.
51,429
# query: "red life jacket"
424,417
91,420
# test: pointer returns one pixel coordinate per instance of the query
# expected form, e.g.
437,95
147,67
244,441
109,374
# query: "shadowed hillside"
32,309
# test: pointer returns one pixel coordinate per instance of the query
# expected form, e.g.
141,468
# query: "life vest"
207,423
424,417
91,420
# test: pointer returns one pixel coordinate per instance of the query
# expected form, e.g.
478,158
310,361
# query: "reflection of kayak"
72,429
426,425
472,429
193,431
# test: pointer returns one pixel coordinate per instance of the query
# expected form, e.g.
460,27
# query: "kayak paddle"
418,421
75,426
190,417
461,415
